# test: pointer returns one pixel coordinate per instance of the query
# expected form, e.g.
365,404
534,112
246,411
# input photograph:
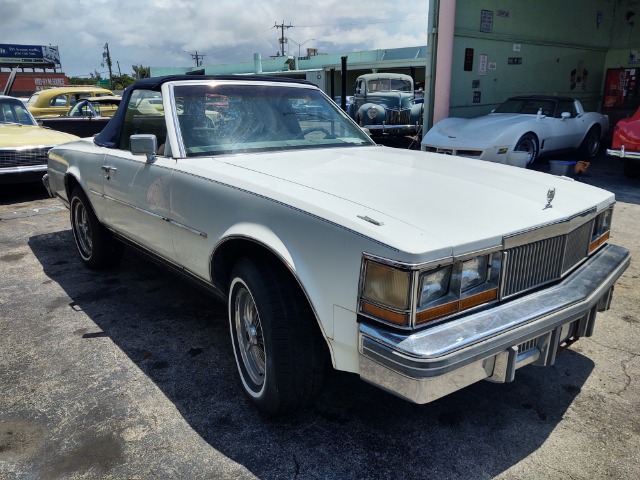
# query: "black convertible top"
109,136
542,97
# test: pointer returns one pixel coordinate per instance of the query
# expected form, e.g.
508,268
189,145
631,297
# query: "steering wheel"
327,133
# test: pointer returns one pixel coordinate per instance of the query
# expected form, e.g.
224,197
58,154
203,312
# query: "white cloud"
167,32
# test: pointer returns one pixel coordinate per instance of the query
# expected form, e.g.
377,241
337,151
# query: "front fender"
363,114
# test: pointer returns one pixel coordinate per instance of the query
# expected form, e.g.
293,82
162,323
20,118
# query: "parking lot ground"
129,373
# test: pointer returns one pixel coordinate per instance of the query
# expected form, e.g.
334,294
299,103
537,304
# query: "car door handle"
108,169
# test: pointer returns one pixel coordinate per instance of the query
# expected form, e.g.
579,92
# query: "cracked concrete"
129,374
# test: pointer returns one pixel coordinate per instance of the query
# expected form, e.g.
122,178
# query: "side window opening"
144,115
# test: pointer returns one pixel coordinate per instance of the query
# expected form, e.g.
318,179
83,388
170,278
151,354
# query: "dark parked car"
385,104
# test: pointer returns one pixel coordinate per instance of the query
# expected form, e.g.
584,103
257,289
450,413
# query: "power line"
198,57
283,39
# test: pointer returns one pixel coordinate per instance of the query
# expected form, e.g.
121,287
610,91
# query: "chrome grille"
398,117
23,157
577,246
537,263
528,345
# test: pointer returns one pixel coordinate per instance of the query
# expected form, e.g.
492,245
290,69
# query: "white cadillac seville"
419,272
520,130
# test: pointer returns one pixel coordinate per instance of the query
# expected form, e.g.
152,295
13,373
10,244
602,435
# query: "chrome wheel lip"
82,229
250,337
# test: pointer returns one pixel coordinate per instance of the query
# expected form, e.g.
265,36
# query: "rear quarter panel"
83,161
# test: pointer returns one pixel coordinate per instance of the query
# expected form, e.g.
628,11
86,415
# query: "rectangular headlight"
434,285
387,285
601,229
474,273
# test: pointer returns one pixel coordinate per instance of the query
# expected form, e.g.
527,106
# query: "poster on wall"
486,21
482,67
579,77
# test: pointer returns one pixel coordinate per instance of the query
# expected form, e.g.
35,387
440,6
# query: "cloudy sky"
169,32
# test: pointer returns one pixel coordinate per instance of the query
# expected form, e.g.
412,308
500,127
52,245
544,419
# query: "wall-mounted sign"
514,61
476,97
493,66
486,21
29,54
468,59
482,68
516,47
503,13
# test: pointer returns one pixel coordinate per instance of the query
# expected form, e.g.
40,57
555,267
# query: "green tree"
92,79
141,72
120,82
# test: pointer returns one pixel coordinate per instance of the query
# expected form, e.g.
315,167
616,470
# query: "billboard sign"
29,54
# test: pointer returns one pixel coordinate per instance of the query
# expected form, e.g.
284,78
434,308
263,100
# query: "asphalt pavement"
129,373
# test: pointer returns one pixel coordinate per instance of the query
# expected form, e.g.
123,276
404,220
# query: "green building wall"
531,47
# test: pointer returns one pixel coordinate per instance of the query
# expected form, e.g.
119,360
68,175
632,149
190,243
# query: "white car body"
328,214
557,124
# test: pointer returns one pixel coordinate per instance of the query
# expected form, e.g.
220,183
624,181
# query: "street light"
301,44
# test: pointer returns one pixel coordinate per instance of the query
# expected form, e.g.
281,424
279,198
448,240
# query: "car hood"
479,130
413,201
31,135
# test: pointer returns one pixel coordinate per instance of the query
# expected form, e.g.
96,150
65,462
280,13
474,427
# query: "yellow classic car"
24,144
54,102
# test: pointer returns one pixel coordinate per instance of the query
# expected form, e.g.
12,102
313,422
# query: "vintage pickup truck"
420,272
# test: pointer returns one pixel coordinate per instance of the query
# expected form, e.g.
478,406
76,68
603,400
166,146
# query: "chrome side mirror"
144,144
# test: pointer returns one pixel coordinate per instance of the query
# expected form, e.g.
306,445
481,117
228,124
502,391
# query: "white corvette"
520,130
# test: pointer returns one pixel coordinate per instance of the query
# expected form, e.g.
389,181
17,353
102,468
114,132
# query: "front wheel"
97,248
276,344
528,143
591,144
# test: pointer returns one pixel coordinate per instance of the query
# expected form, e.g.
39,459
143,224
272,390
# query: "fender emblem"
551,193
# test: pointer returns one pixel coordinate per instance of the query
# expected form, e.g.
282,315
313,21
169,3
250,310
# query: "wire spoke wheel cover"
250,336
96,246
82,230
277,347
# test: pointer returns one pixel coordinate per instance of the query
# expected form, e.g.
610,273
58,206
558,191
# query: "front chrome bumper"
393,129
45,182
622,153
491,344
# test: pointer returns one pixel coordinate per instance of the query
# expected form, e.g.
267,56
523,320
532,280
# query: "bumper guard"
493,343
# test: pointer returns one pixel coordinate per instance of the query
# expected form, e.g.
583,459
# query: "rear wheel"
277,346
591,144
97,247
528,143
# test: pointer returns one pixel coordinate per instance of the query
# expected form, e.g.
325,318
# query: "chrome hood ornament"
551,193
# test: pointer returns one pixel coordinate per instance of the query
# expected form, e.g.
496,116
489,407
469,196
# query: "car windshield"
224,118
389,85
14,112
527,106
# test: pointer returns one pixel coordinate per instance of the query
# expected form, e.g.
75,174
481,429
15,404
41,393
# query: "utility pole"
106,58
283,39
198,58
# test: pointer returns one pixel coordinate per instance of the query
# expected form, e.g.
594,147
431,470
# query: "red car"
626,144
